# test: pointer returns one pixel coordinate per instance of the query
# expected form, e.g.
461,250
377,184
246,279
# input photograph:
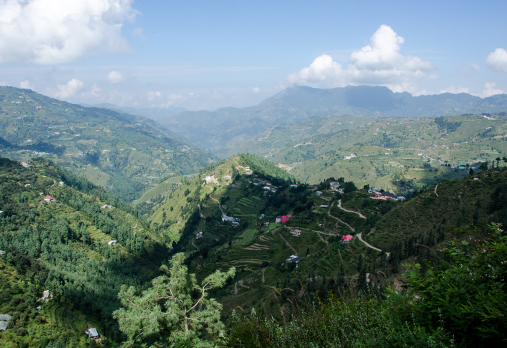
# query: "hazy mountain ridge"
216,129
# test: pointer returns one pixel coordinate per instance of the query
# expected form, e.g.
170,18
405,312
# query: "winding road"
349,211
343,222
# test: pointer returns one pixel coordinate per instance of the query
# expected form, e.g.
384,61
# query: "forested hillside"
227,217
125,154
55,232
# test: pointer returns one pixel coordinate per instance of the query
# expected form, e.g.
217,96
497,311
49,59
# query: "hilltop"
228,217
63,234
221,128
124,153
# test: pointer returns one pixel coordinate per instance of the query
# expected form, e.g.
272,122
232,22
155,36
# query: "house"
247,168
235,223
105,206
198,235
2,252
112,242
294,185
1,211
267,188
4,321
293,259
27,185
475,179
346,239
374,189
46,296
296,233
48,198
60,183
352,155
318,193
323,205
278,219
227,177
334,185
92,333
266,224
24,164
38,308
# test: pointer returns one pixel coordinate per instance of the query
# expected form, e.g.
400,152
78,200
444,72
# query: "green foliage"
174,309
466,290
359,322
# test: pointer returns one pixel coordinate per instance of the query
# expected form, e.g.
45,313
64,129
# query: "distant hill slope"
395,153
214,130
124,153
56,237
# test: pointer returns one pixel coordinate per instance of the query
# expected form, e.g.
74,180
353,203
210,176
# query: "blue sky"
210,54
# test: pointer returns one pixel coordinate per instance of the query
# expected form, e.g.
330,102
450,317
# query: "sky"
203,55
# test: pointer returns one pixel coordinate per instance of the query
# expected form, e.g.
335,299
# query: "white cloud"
152,95
96,90
57,31
69,89
115,76
379,63
433,77
454,90
497,60
476,67
255,90
490,90
26,84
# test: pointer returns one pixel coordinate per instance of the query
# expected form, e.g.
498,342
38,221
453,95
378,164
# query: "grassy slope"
401,139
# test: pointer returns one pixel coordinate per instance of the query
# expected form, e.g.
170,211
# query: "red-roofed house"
48,198
346,239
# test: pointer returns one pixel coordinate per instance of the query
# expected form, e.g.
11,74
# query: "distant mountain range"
214,130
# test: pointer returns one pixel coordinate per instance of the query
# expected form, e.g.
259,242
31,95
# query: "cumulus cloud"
115,76
490,90
379,63
70,89
497,60
454,90
153,94
26,84
57,31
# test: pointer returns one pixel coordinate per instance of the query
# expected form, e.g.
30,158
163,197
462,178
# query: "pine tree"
168,312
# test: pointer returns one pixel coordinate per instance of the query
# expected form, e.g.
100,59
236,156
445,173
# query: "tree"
466,290
175,310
